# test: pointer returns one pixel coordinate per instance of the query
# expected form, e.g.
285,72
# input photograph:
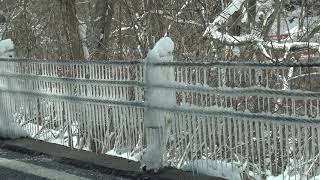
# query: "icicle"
250,77
306,143
318,141
240,78
293,107
205,82
107,125
236,133
176,130
294,150
234,77
205,136
281,146
310,108
251,142
258,137
318,109
219,78
269,109
274,126
299,145
183,133
245,79
229,76
230,136
99,117
71,122
305,107
267,77
128,127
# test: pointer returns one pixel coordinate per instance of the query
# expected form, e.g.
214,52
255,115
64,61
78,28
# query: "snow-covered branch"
254,38
223,17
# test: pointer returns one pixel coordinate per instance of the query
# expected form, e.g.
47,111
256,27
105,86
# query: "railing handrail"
68,61
174,64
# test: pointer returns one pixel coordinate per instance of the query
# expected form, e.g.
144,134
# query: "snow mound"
213,168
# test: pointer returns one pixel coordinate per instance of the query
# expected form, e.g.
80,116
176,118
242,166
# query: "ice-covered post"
157,122
8,128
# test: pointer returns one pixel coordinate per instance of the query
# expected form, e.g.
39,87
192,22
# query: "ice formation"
6,48
156,121
8,128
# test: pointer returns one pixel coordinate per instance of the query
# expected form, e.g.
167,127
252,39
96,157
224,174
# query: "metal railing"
261,118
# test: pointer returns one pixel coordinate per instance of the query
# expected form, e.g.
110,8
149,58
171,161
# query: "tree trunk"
103,26
71,24
252,12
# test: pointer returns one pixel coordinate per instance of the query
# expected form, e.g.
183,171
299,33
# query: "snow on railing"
258,119
95,105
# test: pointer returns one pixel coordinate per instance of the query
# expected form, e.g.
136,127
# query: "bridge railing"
95,105
261,119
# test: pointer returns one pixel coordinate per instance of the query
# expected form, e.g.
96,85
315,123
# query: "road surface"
15,166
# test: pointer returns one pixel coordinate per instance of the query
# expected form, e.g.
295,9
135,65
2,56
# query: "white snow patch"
214,168
133,157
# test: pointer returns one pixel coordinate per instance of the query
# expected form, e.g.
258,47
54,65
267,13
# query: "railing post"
157,122
8,128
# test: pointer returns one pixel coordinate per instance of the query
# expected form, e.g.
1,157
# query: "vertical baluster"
258,149
274,126
318,109
299,145
281,139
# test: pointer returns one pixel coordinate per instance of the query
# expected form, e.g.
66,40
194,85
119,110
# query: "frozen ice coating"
163,47
157,121
8,128
6,48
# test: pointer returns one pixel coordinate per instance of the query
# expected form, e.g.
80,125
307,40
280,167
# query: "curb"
107,164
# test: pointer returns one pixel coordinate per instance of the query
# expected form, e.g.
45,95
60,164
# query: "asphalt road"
14,165
9,174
